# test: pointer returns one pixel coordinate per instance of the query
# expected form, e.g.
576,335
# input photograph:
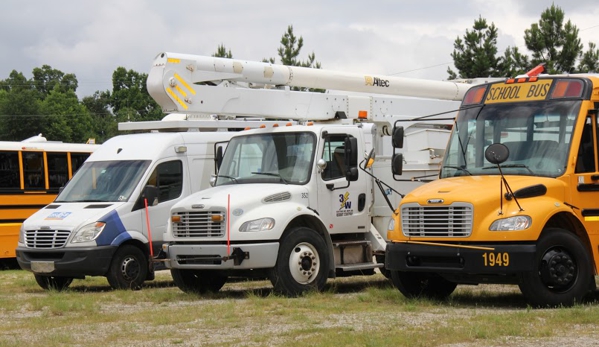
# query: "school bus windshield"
537,135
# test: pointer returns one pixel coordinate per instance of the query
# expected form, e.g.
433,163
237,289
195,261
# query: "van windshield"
537,135
268,158
104,181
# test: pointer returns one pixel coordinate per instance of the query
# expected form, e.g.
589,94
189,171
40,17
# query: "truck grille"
199,224
454,220
46,239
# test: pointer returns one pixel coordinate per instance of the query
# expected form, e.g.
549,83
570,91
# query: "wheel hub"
130,269
304,263
558,269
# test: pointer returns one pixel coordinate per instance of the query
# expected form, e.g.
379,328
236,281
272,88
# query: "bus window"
77,160
57,169
585,161
9,170
33,170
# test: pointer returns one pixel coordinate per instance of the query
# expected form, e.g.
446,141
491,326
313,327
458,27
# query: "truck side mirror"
397,164
351,158
397,137
218,157
149,192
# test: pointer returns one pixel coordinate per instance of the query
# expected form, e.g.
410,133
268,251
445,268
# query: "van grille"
199,224
46,239
454,220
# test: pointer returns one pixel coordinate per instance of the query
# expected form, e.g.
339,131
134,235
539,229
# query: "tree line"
47,103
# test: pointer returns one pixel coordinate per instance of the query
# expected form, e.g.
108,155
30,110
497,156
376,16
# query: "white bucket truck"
100,224
289,203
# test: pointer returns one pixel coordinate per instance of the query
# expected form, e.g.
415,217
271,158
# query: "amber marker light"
176,219
363,114
217,218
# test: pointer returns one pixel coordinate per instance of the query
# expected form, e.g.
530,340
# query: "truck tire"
563,272
129,268
302,263
418,284
198,281
57,283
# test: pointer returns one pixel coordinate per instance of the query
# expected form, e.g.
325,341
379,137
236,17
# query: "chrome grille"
199,224
46,239
453,220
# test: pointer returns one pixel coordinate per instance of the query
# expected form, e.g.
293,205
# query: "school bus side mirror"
397,164
397,137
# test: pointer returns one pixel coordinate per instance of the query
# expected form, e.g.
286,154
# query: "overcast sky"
401,38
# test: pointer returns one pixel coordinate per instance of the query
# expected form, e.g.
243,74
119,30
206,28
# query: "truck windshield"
104,181
537,135
268,158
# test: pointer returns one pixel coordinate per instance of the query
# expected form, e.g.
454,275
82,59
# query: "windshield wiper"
511,166
270,174
457,168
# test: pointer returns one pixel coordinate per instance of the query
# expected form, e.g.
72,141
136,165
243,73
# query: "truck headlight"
22,234
258,225
88,232
511,223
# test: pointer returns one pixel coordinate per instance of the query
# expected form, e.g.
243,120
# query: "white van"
98,225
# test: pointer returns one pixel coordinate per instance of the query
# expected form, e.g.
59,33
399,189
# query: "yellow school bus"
31,173
517,199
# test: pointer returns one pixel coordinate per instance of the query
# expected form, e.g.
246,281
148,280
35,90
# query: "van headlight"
511,224
88,232
261,224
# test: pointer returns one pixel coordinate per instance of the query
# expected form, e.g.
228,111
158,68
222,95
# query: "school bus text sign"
515,92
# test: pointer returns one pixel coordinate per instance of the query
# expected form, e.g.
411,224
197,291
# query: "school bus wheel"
563,271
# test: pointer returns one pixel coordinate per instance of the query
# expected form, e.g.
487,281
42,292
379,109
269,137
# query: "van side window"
334,154
168,178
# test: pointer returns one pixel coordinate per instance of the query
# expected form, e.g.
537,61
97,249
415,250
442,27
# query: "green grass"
360,311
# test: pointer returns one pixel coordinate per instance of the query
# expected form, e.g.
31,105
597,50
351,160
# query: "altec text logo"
375,81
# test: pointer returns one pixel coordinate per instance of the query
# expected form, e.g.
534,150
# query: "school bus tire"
564,274
302,263
199,281
58,283
420,284
129,268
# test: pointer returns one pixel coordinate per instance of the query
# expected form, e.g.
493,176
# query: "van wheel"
58,283
129,268
417,284
563,271
199,281
302,263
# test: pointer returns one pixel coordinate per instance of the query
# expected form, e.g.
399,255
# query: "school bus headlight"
88,232
261,224
511,224
391,225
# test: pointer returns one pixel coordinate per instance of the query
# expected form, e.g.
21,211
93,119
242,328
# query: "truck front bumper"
474,259
221,257
68,262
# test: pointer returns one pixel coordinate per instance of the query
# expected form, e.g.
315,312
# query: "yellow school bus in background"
517,199
31,173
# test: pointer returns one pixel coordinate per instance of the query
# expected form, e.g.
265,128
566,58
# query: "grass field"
357,311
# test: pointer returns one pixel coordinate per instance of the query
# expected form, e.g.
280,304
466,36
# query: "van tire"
58,283
568,280
199,281
302,263
129,268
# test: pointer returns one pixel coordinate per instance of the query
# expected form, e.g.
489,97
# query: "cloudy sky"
401,38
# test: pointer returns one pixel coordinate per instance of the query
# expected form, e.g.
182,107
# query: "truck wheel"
129,268
58,283
563,271
302,263
417,284
381,259
199,281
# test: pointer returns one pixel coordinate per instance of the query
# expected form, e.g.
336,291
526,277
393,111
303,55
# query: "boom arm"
189,84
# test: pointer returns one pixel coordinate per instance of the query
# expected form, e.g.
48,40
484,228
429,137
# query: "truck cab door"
343,206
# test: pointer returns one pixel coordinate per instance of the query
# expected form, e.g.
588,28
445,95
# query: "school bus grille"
453,220
199,224
46,239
